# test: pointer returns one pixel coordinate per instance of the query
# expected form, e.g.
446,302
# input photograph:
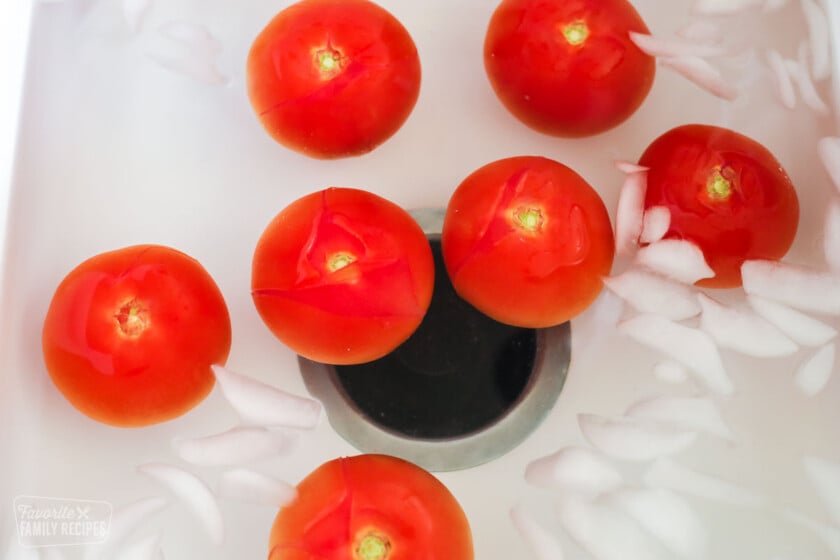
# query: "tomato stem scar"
576,32
132,318
718,187
338,261
328,61
373,546
528,218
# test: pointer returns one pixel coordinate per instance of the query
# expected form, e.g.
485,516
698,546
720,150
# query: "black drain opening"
458,373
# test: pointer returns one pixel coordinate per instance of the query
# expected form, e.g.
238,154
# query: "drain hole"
459,373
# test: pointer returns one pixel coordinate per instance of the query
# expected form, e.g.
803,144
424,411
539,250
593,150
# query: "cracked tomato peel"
568,67
333,78
130,335
527,241
371,507
726,193
342,276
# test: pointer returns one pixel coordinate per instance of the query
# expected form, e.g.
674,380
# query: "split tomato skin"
131,334
371,507
726,193
342,276
527,241
333,78
568,67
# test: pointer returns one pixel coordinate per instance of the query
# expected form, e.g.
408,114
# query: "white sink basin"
115,149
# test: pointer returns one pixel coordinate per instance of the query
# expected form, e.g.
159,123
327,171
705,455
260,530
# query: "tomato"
342,276
527,241
371,507
130,335
568,67
333,78
726,193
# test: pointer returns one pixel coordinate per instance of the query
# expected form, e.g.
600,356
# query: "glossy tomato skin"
399,507
333,78
726,193
527,241
342,276
130,335
568,67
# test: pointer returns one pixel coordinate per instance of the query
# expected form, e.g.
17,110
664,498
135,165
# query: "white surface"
14,35
116,149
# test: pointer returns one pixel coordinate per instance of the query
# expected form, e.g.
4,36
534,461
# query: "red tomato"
527,241
726,193
342,276
371,507
130,335
333,78
568,68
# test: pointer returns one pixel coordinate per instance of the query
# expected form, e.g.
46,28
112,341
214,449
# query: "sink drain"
462,390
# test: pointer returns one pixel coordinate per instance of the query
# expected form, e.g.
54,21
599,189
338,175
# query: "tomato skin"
564,87
347,498
529,278
132,370
354,313
758,219
336,112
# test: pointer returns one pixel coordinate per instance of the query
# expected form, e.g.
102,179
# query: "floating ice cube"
688,346
604,532
667,517
234,447
828,149
743,330
634,439
671,48
651,293
630,212
193,35
670,372
678,259
802,328
193,493
189,65
688,413
781,79
666,473
819,39
261,404
813,374
700,31
597,322
702,73
539,540
629,167
655,224
799,74
575,469
189,49
799,287
245,485
134,11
